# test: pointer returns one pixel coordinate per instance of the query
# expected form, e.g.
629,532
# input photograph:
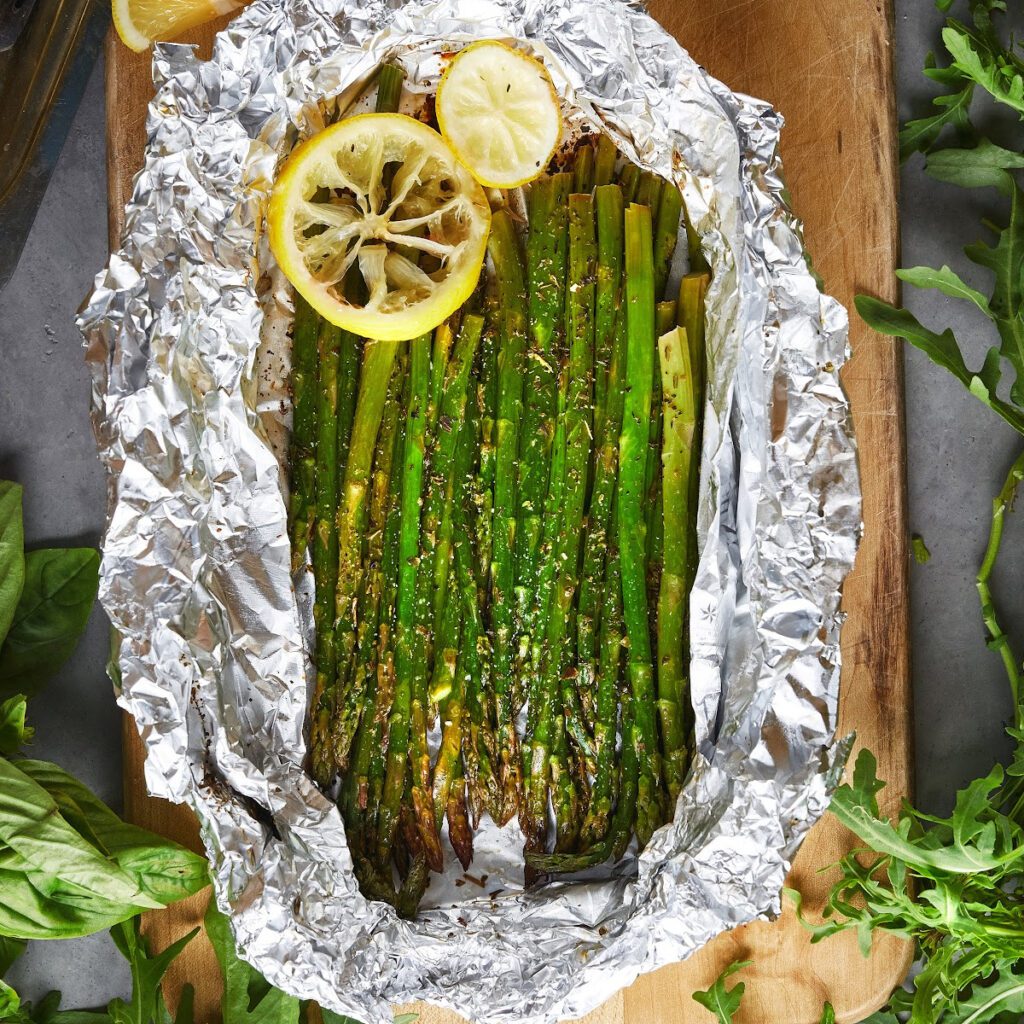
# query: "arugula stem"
998,640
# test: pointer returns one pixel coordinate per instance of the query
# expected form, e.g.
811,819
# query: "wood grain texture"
826,64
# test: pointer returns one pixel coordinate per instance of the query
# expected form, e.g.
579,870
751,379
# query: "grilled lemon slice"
498,110
384,195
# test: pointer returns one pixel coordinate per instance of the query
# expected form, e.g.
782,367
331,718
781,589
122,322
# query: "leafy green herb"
57,597
145,1006
921,553
248,997
953,884
14,733
721,1001
828,1015
147,1003
69,866
12,557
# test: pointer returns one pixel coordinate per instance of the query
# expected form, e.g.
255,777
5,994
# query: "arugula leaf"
828,1015
921,134
14,733
147,1004
59,592
1006,261
946,281
1001,993
980,59
248,997
984,165
721,1001
12,553
943,350
974,845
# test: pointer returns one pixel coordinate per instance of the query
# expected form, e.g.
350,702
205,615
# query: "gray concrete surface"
958,455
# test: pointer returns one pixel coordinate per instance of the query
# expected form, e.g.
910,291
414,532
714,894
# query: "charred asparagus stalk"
633,450
679,398
508,264
305,333
400,720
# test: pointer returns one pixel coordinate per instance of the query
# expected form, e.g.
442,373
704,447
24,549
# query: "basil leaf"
163,870
248,997
721,1001
32,826
14,733
34,905
58,595
10,1001
12,553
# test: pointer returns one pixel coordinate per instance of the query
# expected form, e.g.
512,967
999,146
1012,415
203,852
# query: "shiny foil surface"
186,335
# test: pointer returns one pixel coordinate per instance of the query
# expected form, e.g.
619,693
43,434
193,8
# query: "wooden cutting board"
827,65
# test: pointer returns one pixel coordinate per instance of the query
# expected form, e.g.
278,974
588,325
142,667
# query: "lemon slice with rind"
384,197
499,112
140,23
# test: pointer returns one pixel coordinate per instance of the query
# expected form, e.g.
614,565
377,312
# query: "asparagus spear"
677,458
595,827
438,366
409,545
508,264
544,699
325,534
546,262
346,698
378,360
604,161
580,332
665,318
445,482
583,169
648,193
666,232
609,387
449,780
633,447
305,332
477,744
614,845
389,88
385,674
629,179
373,615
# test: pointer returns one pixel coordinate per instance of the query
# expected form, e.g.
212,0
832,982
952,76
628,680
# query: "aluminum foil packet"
187,344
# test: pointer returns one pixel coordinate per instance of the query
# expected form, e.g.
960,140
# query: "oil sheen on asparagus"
501,515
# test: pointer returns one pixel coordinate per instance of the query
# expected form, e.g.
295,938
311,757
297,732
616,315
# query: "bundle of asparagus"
502,514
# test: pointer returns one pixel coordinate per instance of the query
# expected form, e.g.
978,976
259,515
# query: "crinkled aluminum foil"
184,335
